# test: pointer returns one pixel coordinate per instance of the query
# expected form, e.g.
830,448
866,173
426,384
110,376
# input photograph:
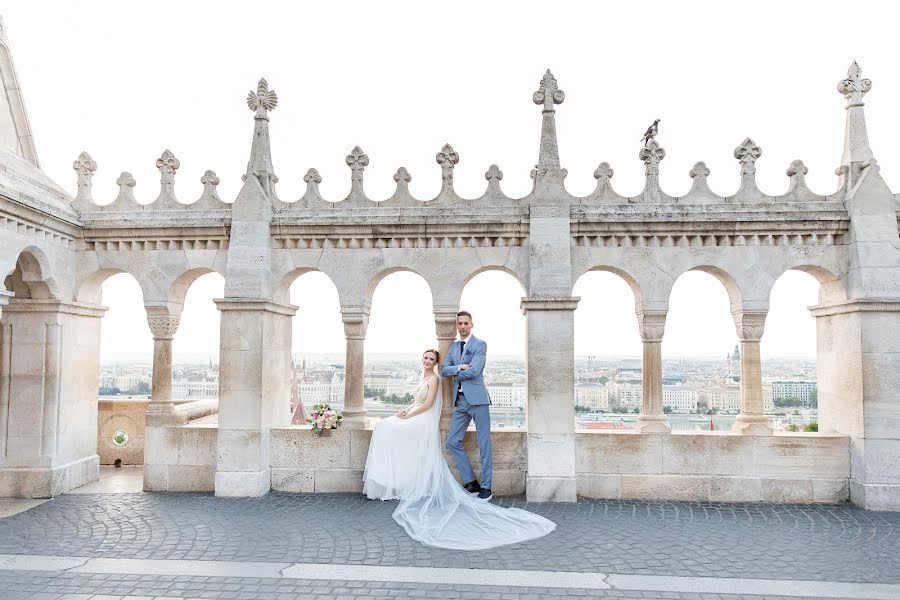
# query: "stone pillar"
160,417
652,418
857,362
254,391
163,327
356,321
752,420
445,332
50,361
550,408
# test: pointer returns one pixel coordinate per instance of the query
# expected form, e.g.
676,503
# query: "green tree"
811,427
793,427
140,389
667,409
109,391
603,379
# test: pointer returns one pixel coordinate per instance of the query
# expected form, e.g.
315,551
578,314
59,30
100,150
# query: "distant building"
507,395
682,399
592,395
798,390
626,394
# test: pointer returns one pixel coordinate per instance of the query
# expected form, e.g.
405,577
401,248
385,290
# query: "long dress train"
405,461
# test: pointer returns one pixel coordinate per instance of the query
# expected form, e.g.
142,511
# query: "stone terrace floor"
104,545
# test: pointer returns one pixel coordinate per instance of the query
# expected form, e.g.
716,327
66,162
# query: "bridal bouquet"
324,417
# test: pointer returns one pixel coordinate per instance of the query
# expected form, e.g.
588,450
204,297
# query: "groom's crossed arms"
472,369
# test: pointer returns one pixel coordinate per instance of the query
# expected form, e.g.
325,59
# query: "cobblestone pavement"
31,585
758,541
834,543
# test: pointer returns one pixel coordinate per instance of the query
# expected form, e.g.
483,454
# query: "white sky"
125,81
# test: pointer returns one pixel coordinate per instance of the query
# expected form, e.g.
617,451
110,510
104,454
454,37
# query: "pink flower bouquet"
324,417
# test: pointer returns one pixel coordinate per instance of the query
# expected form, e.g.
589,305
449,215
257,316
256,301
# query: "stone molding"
561,303
41,305
253,304
858,305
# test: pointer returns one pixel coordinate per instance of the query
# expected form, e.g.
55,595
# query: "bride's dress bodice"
421,392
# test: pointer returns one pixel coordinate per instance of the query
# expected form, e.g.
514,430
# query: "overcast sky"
125,81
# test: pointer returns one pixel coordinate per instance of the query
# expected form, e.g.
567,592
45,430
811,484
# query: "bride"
405,461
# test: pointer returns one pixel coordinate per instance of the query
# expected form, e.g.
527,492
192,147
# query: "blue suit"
472,404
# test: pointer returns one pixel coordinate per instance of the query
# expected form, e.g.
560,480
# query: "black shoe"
485,494
472,487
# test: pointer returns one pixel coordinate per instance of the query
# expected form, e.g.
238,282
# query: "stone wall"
797,467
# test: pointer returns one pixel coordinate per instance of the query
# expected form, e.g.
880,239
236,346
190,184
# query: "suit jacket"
471,379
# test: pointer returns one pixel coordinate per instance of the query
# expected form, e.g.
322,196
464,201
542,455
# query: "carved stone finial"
797,168
167,165
747,153
357,160
651,154
262,100
603,170
84,166
402,175
854,87
312,176
493,173
447,157
125,180
699,170
210,178
548,92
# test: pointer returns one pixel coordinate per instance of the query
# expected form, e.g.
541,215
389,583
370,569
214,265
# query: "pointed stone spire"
260,164
856,138
548,169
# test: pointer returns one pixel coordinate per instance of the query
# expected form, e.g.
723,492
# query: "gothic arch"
31,276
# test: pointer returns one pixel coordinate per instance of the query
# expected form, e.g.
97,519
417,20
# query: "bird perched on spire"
651,132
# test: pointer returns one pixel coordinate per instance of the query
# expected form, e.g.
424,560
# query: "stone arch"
90,290
31,277
831,287
502,268
735,298
180,286
379,277
283,289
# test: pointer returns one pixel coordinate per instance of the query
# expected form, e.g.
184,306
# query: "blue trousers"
462,416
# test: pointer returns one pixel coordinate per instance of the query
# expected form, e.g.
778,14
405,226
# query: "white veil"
437,511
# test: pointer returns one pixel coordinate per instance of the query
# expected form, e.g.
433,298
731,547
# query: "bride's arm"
429,400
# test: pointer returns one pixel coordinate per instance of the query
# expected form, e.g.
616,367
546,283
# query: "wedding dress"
405,461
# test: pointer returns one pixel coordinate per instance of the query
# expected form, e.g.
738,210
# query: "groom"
465,363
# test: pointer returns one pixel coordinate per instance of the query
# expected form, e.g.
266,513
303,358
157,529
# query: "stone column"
445,331
752,420
163,327
550,409
652,418
254,391
356,321
159,444
50,360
